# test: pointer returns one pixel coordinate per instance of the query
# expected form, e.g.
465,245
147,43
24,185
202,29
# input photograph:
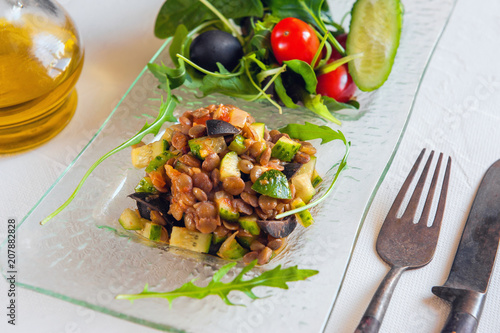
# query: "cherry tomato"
342,40
337,84
292,39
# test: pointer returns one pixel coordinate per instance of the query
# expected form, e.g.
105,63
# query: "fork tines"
411,208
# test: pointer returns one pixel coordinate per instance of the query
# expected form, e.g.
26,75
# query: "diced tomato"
202,120
157,179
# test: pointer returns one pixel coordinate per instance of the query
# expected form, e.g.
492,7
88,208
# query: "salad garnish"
277,278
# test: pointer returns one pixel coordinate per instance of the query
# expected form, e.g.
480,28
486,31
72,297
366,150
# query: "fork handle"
375,312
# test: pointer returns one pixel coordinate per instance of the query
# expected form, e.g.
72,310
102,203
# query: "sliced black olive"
279,228
215,46
217,127
291,169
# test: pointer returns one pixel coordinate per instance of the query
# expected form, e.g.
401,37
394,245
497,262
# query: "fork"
404,244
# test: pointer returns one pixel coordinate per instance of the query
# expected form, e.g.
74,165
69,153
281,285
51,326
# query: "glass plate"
81,256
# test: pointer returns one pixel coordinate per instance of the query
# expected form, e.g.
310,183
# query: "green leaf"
277,278
236,86
191,13
333,105
178,43
280,90
310,131
306,72
316,105
261,39
166,113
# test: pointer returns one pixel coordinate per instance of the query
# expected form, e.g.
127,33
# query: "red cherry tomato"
337,84
292,39
342,41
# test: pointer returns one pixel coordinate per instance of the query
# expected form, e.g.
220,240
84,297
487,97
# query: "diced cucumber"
260,129
130,220
285,149
190,240
141,156
159,161
273,183
218,239
226,210
304,217
316,179
307,168
238,144
202,147
231,249
229,166
303,187
245,241
145,186
249,223
152,231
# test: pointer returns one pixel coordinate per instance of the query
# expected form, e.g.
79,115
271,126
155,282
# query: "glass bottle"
41,58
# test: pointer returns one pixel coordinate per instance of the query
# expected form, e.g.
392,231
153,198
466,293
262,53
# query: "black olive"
279,228
215,46
217,127
291,169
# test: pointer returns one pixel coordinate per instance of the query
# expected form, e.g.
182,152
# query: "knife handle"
460,322
368,324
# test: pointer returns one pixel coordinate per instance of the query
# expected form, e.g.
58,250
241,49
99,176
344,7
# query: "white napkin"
456,112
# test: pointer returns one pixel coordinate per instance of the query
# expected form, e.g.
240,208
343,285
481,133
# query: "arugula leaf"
310,131
236,86
191,13
316,105
166,113
280,90
334,105
262,32
306,72
276,278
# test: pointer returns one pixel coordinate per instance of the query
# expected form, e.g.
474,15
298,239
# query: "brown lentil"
257,246
242,207
179,141
275,244
264,256
197,131
206,210
307,148
183,183
302,157
267,203
189,221
221,231
203,182
250,199
215,177
200,113
206,225
248,188
233,185
245,166
211,162
249,158
265,157
185,121
250,256
256,149
256,172
230,225
199,194
190,160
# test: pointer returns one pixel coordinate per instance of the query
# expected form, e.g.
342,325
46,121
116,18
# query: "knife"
472,268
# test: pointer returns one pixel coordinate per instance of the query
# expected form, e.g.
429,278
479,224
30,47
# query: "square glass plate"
81,256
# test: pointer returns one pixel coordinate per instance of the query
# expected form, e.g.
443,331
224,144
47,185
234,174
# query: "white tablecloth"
455,112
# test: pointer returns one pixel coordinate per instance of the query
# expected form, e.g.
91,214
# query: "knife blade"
470,273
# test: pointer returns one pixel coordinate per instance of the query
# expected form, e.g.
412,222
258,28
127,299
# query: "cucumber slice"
285,149
260,129
273,183
304,217
303,187
218,239
238,145
229,166
130,220
231,249
202,147
316,179
226,210
152,231
145,186
249,223
245,241
159,161
307,168
375,31
141,156
190,240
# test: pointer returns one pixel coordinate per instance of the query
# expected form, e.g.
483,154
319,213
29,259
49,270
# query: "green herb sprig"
277,278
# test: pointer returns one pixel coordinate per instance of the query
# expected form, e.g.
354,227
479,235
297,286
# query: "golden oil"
40,62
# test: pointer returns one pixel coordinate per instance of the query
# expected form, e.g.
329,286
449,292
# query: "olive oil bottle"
40,61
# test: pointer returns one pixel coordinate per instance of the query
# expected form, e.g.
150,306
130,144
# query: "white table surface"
455,112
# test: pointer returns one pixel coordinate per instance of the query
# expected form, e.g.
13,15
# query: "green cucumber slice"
226,210
130,220
375,31
190,240
304,217
238,144
303,187
260,129
152,231
141,156
159,161
231,249
285,149
316,179
249,223
145,186
202,147
273,183
307,168
229,166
